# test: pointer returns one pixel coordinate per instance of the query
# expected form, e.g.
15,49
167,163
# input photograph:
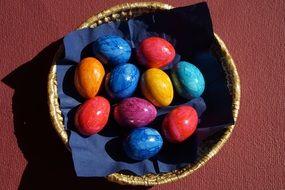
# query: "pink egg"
155,52
180,124
92,116
134,112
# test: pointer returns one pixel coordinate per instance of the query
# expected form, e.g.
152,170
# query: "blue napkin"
189,29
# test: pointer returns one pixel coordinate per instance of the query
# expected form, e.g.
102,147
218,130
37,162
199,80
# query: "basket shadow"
49,162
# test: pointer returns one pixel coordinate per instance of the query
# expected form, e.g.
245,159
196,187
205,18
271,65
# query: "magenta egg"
134,112
155,52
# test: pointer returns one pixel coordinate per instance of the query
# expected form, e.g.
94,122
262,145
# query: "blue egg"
112,49
143,143
122,81
187,80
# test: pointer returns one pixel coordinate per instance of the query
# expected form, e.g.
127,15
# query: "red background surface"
31,155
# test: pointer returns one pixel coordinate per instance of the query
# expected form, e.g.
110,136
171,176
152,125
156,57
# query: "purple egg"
134,112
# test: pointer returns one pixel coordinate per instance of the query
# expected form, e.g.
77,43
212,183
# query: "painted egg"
179,124
156,86
187,80
122,81
92,116
112,49
143,143
134,112
88,77
155,52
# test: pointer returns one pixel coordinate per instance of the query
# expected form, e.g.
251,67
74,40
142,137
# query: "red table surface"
31,154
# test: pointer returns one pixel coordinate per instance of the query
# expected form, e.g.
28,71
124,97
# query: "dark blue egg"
112,49
122,81
143,143
187,80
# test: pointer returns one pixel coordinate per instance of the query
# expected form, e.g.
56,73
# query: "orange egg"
88,77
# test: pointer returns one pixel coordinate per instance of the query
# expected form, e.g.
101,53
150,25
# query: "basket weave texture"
209,147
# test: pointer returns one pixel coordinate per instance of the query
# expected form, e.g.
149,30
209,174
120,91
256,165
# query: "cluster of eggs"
122,81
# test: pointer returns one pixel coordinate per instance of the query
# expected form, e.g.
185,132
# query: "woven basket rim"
148,179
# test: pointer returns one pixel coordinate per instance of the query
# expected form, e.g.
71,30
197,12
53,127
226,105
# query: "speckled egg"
156,86
88,77
122,81
180,124
112,49
134,112
143,143
187,80
155,52
92,116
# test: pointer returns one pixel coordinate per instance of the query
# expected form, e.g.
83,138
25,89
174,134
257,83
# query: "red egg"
155,52
92,116
179,124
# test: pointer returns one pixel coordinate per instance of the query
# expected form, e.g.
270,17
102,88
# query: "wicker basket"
209,147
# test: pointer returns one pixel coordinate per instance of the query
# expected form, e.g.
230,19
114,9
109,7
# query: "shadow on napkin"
190,31
49,164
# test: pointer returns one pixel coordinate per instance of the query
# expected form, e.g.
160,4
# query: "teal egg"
188,80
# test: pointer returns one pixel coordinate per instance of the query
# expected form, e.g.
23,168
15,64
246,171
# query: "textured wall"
254,32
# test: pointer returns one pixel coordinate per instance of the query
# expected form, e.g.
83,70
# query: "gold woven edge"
121,11
54,109
149,179
231,74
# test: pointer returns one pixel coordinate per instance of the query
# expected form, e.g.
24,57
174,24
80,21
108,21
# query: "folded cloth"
190,31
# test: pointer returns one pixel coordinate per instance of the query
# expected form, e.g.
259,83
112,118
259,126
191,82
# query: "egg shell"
112,49
134,112
155,52
180,124
142,143
88,77
188,80
122,81
156,86
92,116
